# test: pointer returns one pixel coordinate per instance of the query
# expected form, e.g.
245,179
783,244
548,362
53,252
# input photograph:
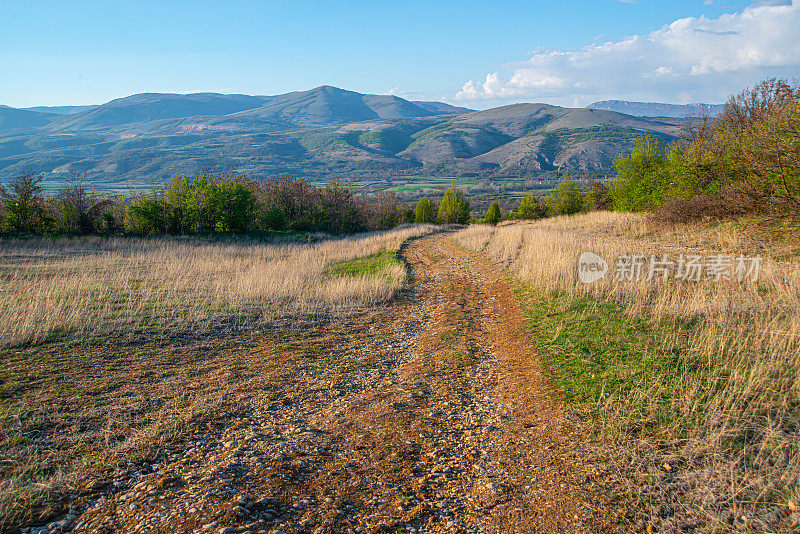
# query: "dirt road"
429,414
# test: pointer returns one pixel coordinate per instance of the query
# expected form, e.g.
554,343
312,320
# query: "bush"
146,214
23,202
565,198
598,198
425,212
642,178
75,210
454,208
746,161
529,208
492,214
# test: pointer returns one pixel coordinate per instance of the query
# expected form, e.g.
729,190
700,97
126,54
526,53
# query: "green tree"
176,198
565,198
642,178
23,202
200,204
146,214
425,211
492,214
529,208
454,208
233,207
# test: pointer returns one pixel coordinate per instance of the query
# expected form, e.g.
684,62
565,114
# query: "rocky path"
427,415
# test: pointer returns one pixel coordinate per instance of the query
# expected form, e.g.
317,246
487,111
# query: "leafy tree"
492,214
176,197
23,202
79,211
233,207
425,212
565,198
454,208
642,178
529,208
200,209
146,214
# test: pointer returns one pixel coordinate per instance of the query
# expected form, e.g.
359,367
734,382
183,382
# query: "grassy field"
113,348
90,288
692,388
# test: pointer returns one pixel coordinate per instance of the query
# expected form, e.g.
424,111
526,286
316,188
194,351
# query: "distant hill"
60,110
148,107
655,109
144,139
13,119
440,107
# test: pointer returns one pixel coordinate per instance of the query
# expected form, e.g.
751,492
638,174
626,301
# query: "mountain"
147,107
143,139
655,109
14,119
440,107
60,110
328,105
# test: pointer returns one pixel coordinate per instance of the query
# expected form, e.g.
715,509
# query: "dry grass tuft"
731,417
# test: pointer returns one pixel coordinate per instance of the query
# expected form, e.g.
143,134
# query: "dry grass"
731,418
72,413
94,287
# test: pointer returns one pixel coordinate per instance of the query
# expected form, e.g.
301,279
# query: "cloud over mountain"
692,59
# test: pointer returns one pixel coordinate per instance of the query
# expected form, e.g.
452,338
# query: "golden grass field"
93,287
732,419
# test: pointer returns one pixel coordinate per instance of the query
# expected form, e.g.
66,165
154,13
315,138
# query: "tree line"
212,202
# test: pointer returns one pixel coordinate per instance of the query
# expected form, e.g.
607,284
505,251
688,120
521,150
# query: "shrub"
75,210
492,214
565,198
23,202
425,212
529,208
598,198
642,177
454,208
146,214
233,207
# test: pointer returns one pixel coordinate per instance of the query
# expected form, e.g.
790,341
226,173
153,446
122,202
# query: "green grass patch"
597,355
376,265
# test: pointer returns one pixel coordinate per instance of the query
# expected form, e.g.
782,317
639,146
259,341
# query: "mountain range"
143,139
656,109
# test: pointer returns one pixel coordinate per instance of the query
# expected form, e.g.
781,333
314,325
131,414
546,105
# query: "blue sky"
473,53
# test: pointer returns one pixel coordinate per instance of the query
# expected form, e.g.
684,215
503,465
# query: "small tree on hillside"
425,212
454,208
23,202
492,214
529,208
642,177
565,199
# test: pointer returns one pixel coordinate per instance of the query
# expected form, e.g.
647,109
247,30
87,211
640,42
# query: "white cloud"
695,58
